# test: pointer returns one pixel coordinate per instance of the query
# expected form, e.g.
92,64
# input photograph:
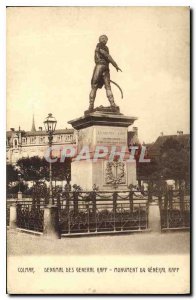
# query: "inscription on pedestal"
102,135
111,135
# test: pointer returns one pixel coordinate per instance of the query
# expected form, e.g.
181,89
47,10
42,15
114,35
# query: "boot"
91,104
111,100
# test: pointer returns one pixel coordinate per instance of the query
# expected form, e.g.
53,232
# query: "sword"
118,87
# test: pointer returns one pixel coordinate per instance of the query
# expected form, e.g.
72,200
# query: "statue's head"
103,39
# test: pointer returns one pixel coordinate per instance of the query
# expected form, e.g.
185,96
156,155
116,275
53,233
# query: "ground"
19,243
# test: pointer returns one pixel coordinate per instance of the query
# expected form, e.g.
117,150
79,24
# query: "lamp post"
19,187
50,125
19,179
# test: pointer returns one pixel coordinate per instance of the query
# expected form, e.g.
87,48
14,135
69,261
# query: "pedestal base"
154,218
106,177
19,195
106,128
51,222
13,217
106,110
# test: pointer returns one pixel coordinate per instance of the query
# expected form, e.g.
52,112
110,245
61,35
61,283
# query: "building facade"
21,143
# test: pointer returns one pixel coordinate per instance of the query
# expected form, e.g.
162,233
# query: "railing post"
75,203
13,216
94,208
33,202
166,209
154,217
139,216
67,211
115,195
161,204
67,204
170,196
51,222
69,221
166,201
160,199
59,203
121,217
147,212
149,193
19,195
131,201
181,194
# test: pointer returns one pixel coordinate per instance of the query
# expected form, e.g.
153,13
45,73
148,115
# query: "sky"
50,60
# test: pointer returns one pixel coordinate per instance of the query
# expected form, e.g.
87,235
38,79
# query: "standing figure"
101,74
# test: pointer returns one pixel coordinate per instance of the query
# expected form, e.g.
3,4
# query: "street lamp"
19,178
50,125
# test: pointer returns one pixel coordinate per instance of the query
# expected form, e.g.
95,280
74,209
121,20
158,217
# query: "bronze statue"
101,74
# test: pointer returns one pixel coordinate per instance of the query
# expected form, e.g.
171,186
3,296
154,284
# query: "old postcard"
98,150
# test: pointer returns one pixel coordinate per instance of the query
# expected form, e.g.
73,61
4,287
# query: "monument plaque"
111,135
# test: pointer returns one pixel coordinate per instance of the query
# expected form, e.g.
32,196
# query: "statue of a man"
101,74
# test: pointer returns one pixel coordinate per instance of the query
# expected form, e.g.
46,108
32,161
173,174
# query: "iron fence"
12,196
175,210
30,215
99,212
96,212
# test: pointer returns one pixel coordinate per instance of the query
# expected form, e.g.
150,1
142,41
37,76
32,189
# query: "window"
24,140
42,140
32,140
15,143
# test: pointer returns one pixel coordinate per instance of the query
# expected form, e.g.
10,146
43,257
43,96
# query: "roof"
183,139
43,132
9,133
147,145
40,132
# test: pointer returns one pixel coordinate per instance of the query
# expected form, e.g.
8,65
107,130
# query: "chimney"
135,130
40,128
179,132
12,129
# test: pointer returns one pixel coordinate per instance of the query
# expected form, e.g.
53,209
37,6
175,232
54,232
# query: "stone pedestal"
51,222
13,216
19,195
154,218
102,151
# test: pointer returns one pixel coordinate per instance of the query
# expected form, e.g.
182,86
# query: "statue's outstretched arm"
110,59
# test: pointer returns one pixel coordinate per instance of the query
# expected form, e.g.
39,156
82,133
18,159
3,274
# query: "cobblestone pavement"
19,243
